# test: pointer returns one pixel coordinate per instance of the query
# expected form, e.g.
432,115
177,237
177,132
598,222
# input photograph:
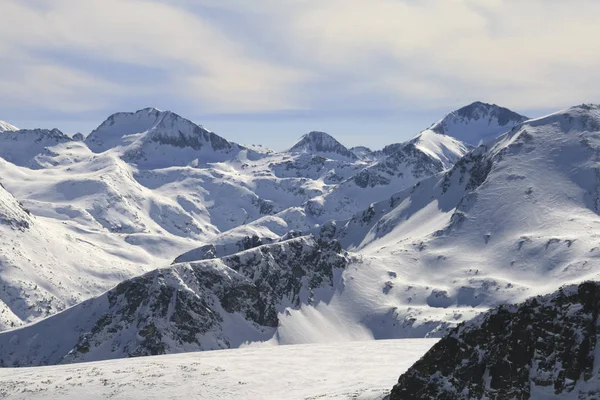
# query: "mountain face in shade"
323,144
546,347
477,123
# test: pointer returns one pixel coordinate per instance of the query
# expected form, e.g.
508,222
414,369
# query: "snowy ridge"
207,305
6,127
504,223
443,148
401,169
363,153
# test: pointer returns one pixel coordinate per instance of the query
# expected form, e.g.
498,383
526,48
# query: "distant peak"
321,142
477,122
478,109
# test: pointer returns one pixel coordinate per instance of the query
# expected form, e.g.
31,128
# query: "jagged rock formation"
546,347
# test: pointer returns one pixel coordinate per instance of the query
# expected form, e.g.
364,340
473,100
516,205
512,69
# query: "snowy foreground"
353,370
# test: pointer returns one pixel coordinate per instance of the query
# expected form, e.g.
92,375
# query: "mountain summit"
155,138
477,123
322,143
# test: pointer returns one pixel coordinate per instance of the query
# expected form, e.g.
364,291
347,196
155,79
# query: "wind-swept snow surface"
357,370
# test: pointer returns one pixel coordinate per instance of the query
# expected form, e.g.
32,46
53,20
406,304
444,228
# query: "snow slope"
358,370
510,220
5,126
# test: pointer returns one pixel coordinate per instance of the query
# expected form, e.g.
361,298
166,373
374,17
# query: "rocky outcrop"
546,346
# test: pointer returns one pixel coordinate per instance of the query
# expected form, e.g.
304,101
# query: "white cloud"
310,54
151,34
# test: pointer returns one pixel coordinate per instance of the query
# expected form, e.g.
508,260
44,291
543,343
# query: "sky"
369,72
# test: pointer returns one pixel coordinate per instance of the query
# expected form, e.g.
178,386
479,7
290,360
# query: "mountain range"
153,235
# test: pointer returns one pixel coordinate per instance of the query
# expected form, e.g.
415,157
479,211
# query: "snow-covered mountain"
429,221
546,347
5,126
425,155
512,219
151,138
477,123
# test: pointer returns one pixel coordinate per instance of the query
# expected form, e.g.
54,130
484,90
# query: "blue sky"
369,72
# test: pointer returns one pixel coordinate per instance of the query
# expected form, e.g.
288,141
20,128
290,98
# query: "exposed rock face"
546,346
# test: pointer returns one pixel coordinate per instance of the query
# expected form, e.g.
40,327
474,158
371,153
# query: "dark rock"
513,352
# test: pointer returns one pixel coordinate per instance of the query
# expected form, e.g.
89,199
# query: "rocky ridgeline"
204,305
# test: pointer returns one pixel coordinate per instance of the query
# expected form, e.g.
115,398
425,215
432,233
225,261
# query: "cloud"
234,56
203,64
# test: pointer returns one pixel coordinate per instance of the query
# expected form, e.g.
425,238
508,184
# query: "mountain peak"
322,143
6,127
477,122
123,128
